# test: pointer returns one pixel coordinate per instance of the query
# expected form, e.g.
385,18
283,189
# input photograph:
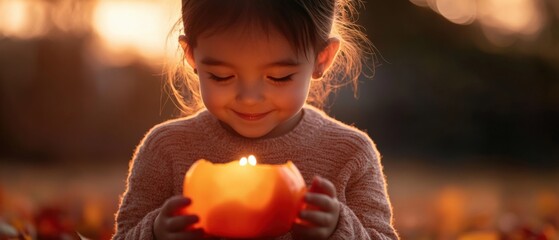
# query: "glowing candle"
242,199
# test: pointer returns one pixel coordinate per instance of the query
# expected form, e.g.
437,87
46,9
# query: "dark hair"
306,24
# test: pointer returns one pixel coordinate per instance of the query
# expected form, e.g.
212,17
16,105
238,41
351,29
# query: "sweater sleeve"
366,212
148,186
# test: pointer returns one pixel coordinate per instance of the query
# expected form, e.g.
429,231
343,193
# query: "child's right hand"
169,224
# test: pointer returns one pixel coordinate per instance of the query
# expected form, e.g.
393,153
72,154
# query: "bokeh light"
458,11
502,21
123,31
512,16
22,19
126,28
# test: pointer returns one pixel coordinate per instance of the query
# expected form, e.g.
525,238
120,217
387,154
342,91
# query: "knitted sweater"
318,145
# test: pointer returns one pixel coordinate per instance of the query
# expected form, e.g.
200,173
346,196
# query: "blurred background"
464,107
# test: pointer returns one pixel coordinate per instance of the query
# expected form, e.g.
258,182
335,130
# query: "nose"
250,92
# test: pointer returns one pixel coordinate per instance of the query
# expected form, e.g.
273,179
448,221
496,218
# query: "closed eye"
281,79
220,79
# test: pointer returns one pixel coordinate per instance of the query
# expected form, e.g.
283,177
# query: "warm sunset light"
498,18
13,17
140,27
123,30
512,16
458,11
21,19
461,97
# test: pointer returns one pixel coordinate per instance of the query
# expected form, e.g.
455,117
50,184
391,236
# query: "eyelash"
282,79
222,79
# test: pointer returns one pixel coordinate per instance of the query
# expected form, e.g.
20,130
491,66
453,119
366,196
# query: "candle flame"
243,161
252,160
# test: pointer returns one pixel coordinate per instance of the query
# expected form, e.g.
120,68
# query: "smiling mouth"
251,116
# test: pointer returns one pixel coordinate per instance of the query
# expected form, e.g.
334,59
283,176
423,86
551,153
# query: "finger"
301,230
305,232
321,201
317,218
178,223
173,204
192,234
323,185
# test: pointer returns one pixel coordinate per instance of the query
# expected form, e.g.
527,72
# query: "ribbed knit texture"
318,145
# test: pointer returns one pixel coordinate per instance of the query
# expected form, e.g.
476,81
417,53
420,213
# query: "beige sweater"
318,145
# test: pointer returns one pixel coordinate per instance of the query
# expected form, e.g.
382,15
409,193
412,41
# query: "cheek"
300,95
302,91
212,96
294,97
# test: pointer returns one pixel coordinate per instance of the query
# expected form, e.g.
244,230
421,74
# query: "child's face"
255,84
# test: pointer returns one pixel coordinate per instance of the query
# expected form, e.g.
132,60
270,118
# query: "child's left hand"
321,214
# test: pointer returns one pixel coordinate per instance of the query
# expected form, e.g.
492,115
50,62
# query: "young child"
252,70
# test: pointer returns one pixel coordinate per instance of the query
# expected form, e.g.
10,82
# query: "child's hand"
170,225
322,211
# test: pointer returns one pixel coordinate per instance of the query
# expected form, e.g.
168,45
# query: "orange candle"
241,199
